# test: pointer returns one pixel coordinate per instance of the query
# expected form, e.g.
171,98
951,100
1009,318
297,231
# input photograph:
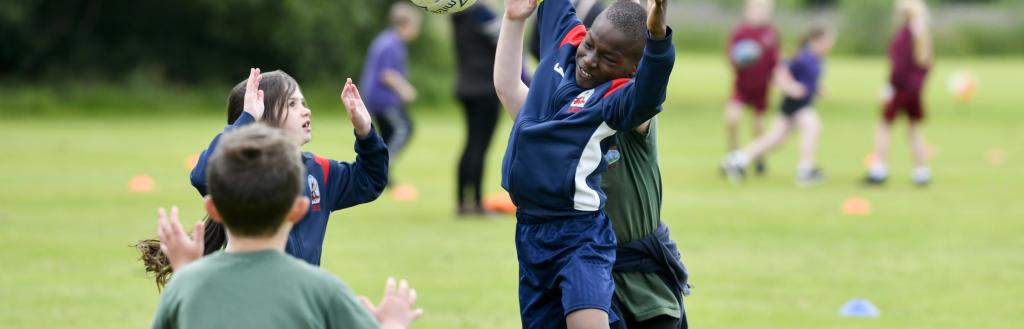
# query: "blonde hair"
403,14
907,10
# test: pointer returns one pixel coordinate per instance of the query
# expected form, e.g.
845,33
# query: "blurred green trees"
185,40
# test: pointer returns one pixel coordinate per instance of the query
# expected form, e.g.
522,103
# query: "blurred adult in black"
476,36
587,10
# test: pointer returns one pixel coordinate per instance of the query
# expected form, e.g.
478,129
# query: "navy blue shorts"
791,106
565,265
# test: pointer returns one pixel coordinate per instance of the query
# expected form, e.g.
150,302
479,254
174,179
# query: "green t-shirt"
632,185
258,289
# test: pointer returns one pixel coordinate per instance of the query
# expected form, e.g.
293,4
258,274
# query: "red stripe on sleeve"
325,165
616,85
575,36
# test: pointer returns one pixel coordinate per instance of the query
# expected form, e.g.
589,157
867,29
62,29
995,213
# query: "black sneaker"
760,167
873,181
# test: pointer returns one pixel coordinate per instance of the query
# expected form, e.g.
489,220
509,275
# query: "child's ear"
211,209
299,209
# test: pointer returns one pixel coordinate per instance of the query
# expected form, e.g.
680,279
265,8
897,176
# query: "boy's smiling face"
297,123
606,54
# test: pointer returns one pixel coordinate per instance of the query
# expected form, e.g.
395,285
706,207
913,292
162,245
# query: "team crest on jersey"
314,192
580,101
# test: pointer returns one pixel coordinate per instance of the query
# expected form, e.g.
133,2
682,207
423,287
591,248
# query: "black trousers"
481,115
395,129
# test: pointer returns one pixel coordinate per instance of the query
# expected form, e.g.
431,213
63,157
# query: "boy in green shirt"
648,273
256,190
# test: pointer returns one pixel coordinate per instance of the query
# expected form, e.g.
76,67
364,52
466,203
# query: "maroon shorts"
905,100
756,98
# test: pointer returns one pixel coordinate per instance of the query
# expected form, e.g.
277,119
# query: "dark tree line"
185,40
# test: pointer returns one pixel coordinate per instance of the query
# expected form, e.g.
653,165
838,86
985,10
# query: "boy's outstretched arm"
363,180
253,111
397,82
656,19
787,83
641,98
508,59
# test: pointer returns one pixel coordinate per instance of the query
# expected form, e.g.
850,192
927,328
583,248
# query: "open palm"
357,113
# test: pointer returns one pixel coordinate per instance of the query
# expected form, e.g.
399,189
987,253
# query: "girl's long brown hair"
277,87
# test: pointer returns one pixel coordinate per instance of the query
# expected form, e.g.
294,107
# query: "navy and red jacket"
555,154
330,186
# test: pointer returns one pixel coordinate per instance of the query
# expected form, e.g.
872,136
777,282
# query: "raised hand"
357,113
253,95
396,306
656,18
174,243
520,10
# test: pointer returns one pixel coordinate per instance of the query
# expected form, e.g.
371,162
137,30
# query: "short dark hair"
254,177
277,87
813,33
630,18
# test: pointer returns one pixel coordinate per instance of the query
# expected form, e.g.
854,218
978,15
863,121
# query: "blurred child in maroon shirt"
910,57
752,80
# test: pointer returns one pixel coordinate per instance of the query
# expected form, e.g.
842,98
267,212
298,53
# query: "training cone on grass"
141,184
405,193
859,308
856,206
996,157
499,203
191,161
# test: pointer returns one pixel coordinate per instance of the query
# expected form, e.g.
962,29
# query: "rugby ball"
444,6
745,53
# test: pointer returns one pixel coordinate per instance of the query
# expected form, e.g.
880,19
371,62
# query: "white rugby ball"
444,6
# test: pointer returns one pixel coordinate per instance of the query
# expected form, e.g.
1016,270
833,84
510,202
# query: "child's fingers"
412,297
416,314
259,95
389,287
178,231
403,289
355,90
199,234
249,81
161,224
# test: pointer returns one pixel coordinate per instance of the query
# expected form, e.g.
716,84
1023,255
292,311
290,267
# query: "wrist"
392,325
363,132
512,19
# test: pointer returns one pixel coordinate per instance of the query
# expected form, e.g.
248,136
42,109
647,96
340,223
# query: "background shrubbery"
46,43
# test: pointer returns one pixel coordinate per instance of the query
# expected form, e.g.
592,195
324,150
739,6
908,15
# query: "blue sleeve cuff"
243,119
659,47
370,142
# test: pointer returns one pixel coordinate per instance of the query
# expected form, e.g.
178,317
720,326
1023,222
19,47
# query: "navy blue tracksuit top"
330,186
554,159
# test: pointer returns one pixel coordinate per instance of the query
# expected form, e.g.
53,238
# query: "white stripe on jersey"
586,198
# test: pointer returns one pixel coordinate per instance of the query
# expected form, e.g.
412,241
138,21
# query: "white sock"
805,166
740,158
922,174
878,171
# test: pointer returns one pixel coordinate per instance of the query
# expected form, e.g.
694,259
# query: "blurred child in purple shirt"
385,81
799,82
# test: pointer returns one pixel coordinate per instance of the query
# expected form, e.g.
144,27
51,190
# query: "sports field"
763,255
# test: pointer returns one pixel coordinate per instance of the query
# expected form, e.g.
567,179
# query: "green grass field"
763,255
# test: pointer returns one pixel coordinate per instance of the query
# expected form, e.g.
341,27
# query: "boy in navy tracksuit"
330,185
588,85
